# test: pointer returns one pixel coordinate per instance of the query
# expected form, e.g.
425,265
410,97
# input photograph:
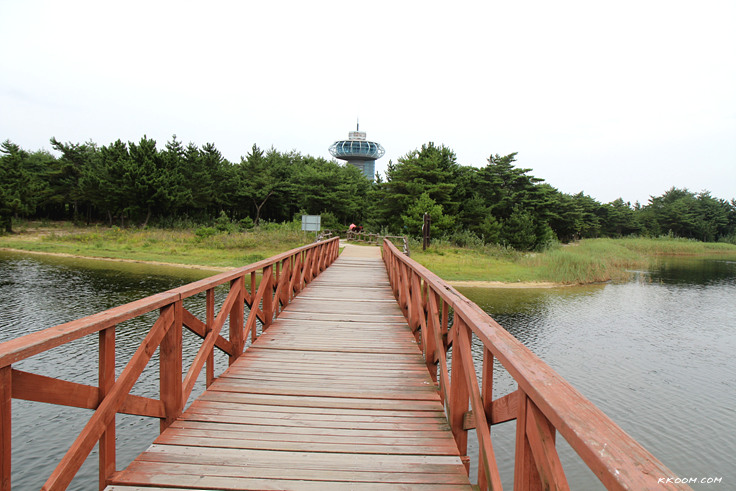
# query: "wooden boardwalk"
335,395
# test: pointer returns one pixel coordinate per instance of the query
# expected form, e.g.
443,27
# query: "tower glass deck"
359,152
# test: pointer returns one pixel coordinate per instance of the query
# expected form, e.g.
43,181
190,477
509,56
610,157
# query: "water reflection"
694,271
656,354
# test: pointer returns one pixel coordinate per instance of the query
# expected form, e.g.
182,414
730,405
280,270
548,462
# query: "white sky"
615,99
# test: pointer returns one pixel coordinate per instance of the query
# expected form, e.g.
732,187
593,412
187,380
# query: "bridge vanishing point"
347,371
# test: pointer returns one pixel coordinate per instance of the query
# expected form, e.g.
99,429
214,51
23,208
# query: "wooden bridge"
356,376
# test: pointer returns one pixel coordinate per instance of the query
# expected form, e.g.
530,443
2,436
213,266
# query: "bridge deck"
334,396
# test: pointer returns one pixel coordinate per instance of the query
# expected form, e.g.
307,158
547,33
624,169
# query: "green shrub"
329,221
223,223
465,238
205,232
246,223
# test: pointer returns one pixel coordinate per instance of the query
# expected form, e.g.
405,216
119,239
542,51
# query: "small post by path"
425,231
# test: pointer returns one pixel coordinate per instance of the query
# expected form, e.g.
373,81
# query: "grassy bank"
206,247
587,261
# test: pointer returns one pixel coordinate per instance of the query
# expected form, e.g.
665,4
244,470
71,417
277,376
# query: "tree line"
137,183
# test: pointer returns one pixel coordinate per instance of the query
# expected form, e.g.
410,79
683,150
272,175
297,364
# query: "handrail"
543,404
283,277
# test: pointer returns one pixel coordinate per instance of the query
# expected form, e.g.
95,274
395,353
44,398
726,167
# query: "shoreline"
501,284
219,269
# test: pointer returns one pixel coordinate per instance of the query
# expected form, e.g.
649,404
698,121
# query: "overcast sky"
615,99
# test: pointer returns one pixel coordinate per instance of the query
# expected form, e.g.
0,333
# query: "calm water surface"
656,354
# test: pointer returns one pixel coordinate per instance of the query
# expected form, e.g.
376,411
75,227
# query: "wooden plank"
225,483
309,431
316,413
305,409
306,444
315,460
235,417
354,384
323,402
311,434
327,461
505,408
330,392
261,484
165,474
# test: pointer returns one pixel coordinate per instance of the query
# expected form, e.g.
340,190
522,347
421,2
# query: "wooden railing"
543,404
283,277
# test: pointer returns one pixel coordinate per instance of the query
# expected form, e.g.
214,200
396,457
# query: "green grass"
464,264
587,261
161,245
590,261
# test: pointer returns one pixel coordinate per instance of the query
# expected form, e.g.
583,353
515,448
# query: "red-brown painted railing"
543,404
283,277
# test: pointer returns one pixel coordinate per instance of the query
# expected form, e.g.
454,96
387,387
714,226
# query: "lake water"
656,354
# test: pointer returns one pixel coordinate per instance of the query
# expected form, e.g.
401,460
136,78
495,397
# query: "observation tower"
359,152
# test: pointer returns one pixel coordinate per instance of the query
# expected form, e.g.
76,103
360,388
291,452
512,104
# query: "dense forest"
139,184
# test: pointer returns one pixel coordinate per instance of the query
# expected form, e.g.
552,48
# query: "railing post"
281,295
236,318
459,397
316,262
106,381
322,263
403,285
431,357
526,477
487,398
170,368
416,311
210,321
268,305
6,397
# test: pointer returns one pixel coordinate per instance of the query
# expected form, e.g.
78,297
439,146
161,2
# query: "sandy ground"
352,250
501,284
